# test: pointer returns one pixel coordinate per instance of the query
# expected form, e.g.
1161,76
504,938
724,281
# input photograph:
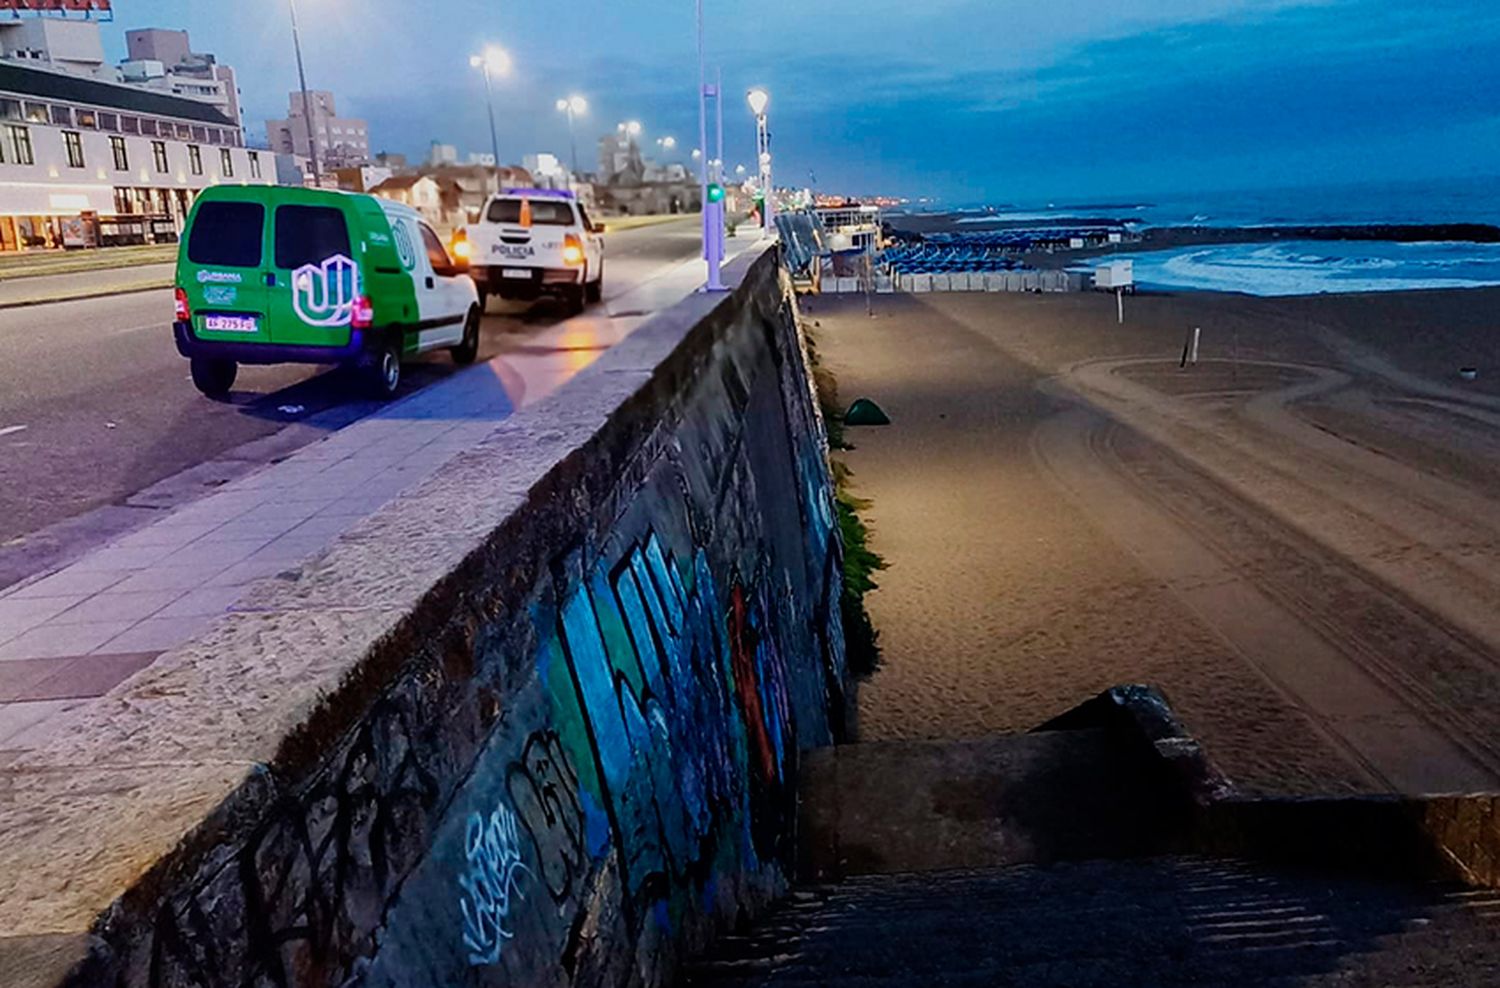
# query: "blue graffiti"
492,883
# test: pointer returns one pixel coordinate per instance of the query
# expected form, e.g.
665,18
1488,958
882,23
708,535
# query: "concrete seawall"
538,722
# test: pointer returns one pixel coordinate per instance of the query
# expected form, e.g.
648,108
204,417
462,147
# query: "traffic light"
715,192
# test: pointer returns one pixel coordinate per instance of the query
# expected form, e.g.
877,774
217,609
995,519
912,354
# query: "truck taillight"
362,316
572,250
184,311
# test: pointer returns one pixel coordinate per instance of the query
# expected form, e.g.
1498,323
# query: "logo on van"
219,277
324,294
404,248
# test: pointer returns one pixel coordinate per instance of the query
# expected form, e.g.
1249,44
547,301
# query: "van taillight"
184,311
572,250
363,314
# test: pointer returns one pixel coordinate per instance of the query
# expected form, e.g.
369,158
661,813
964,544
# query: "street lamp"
632,129
573,106
312,142
759,101
494,61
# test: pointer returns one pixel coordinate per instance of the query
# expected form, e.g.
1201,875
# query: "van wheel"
213,377
466,351
380,370
595,289
484,301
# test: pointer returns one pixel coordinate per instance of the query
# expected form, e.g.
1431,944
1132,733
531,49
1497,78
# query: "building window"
200,133
10,109
122,157
226,163
131,125
36,113
109,122
195,159
159,155
20,144
88,119
148,127
73,141
254,165
62,116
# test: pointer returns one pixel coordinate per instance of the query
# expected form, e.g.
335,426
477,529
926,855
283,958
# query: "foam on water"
1319,267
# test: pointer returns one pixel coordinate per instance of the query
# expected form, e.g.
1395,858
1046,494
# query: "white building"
342,142
88,161
164,59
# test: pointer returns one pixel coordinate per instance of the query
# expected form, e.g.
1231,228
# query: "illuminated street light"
759,100
739,169
494,61
573,106
666,143
633,128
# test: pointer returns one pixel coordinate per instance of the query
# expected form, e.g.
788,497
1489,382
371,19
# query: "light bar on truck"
540,193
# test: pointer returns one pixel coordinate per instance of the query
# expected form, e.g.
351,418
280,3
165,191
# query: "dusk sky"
1013,101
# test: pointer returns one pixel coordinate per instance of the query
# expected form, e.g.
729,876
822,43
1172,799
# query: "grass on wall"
861,563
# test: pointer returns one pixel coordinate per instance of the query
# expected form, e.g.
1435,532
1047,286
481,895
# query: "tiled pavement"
76,633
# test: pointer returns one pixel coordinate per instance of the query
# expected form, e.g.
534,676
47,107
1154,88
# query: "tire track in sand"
1261,605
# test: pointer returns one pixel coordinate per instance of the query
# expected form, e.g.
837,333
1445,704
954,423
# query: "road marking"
12,430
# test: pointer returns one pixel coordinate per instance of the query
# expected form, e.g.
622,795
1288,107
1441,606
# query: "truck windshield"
227,234
544,212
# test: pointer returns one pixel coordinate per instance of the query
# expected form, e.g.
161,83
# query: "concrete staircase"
1103,851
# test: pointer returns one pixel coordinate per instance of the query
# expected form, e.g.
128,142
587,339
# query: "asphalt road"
96,406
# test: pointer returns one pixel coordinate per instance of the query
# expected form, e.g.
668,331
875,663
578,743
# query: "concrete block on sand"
921,283
847,286
942,283
994,281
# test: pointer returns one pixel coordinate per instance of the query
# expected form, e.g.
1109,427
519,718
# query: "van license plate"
516,273
231,324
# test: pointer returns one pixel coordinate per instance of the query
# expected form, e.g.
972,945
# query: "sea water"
1313,267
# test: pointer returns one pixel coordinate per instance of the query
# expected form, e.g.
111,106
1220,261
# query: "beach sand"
1295,540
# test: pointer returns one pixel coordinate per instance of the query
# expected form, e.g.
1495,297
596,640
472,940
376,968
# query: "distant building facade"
340,142
630,185
165,59
86,162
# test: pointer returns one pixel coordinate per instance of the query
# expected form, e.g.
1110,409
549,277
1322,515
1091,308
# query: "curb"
127,290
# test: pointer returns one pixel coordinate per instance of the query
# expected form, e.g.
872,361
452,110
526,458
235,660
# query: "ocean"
1297,267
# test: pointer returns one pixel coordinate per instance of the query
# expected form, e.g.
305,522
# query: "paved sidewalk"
76,633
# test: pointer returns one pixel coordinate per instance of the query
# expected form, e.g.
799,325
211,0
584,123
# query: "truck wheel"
213,377
484,300
574,299
380,371
466,351
595,289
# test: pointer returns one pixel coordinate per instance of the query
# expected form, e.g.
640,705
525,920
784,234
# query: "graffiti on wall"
492,884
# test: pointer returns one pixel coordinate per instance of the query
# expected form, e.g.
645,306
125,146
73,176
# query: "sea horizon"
1471,199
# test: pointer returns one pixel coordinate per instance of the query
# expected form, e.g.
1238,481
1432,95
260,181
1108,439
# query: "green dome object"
866,412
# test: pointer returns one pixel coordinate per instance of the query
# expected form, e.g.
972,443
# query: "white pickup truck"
534,242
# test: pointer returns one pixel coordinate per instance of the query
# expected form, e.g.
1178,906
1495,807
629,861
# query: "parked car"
534,242
272,275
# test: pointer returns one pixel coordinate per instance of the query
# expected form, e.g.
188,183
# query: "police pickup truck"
534,242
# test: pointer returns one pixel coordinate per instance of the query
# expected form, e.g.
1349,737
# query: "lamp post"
573,106
713,209
312,141
759,100
494,60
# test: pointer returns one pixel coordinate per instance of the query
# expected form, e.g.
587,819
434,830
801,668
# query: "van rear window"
227,234
309,235
544,212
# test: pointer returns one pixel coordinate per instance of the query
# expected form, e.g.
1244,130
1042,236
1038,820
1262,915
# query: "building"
85,161
164,59
362,178
628,184
439,200
54,43
442,154
340,142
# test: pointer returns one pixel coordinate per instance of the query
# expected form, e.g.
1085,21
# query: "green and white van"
271,275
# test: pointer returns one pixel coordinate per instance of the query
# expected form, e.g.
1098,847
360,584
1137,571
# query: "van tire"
594,292
484,301
212,376
466,351
380,371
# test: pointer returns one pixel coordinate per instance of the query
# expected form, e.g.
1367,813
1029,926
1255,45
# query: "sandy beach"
1296,540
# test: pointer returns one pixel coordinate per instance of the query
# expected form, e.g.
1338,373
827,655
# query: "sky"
970,101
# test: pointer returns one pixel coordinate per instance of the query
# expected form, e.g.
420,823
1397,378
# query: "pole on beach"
1120,303
713,246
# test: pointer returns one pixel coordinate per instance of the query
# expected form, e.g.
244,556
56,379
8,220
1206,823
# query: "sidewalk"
78,632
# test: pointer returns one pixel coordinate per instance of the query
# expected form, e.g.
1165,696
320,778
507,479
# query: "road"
98,418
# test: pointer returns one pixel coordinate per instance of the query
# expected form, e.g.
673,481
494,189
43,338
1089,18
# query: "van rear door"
223,276
316,275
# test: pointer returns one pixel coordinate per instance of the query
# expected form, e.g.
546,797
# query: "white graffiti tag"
324,294
492,884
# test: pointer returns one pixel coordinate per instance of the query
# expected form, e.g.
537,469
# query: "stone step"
1165,921
899,807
